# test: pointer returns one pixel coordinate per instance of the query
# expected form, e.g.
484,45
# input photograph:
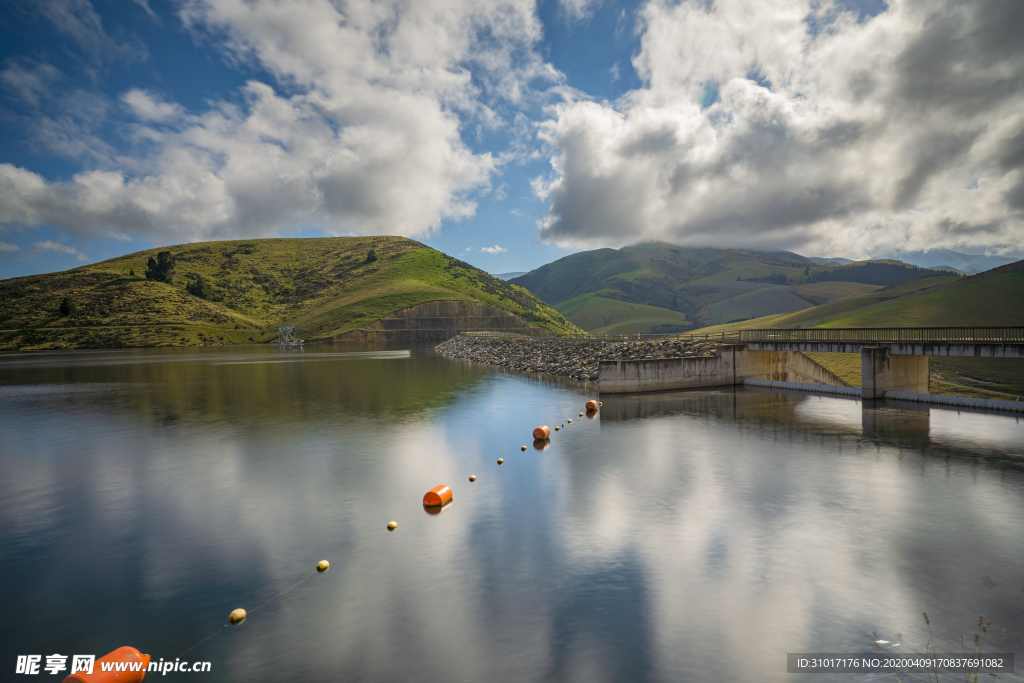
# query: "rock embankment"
564,357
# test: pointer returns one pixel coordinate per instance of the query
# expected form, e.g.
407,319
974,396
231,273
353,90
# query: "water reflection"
689,536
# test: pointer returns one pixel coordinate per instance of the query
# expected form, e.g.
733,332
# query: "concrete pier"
882,371
732,364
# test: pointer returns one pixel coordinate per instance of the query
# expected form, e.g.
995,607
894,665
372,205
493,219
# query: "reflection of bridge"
892,359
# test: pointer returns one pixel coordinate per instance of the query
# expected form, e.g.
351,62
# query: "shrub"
200,288
371,256
67,306
160,268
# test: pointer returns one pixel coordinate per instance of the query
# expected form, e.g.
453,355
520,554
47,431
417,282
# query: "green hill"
600,315
325,286
705,286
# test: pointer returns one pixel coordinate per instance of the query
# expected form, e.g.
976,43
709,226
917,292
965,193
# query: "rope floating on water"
240,615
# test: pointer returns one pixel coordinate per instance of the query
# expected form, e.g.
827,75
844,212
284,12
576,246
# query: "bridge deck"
983,342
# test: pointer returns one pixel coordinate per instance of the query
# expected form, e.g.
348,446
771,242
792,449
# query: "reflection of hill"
253,385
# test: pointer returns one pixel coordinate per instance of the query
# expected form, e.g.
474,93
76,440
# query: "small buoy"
600,404
557,428
591,405
322,566
392,526
472,477
237,616
581,414
522,448
569,421
501,461
121,654
439,495
541,432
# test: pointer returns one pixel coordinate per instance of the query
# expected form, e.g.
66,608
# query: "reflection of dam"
900,424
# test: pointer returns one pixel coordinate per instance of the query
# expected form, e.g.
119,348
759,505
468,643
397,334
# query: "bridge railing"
985,335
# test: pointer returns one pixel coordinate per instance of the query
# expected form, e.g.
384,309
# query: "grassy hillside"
817,314
325,286
707,286
995,299
610,316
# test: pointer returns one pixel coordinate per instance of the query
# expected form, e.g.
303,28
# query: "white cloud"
8,247
494,250
753,129
366,140
49,245
151,108
577,10
30,84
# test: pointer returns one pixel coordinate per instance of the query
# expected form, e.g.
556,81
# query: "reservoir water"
701,535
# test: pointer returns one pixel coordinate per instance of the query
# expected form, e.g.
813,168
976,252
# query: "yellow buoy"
501,461
599,403
392,526
569,421
557,428
472,477
322,566
581,414
237,616
523,448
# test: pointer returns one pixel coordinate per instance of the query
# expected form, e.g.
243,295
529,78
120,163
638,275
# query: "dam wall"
732,364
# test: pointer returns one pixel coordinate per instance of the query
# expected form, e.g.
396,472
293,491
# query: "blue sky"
531,129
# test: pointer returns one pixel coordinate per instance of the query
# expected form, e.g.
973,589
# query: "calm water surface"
144,494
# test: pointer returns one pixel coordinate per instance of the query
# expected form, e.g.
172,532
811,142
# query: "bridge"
893,360
981,342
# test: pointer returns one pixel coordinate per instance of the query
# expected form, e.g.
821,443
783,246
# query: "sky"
511,133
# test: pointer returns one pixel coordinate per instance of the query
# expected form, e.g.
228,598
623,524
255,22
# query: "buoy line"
245,614
440,493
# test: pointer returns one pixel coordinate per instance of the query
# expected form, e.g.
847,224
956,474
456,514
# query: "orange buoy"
439,495
121,654
591,405
541,432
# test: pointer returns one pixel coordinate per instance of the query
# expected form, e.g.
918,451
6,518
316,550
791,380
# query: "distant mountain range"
944,259
509,276
657,287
